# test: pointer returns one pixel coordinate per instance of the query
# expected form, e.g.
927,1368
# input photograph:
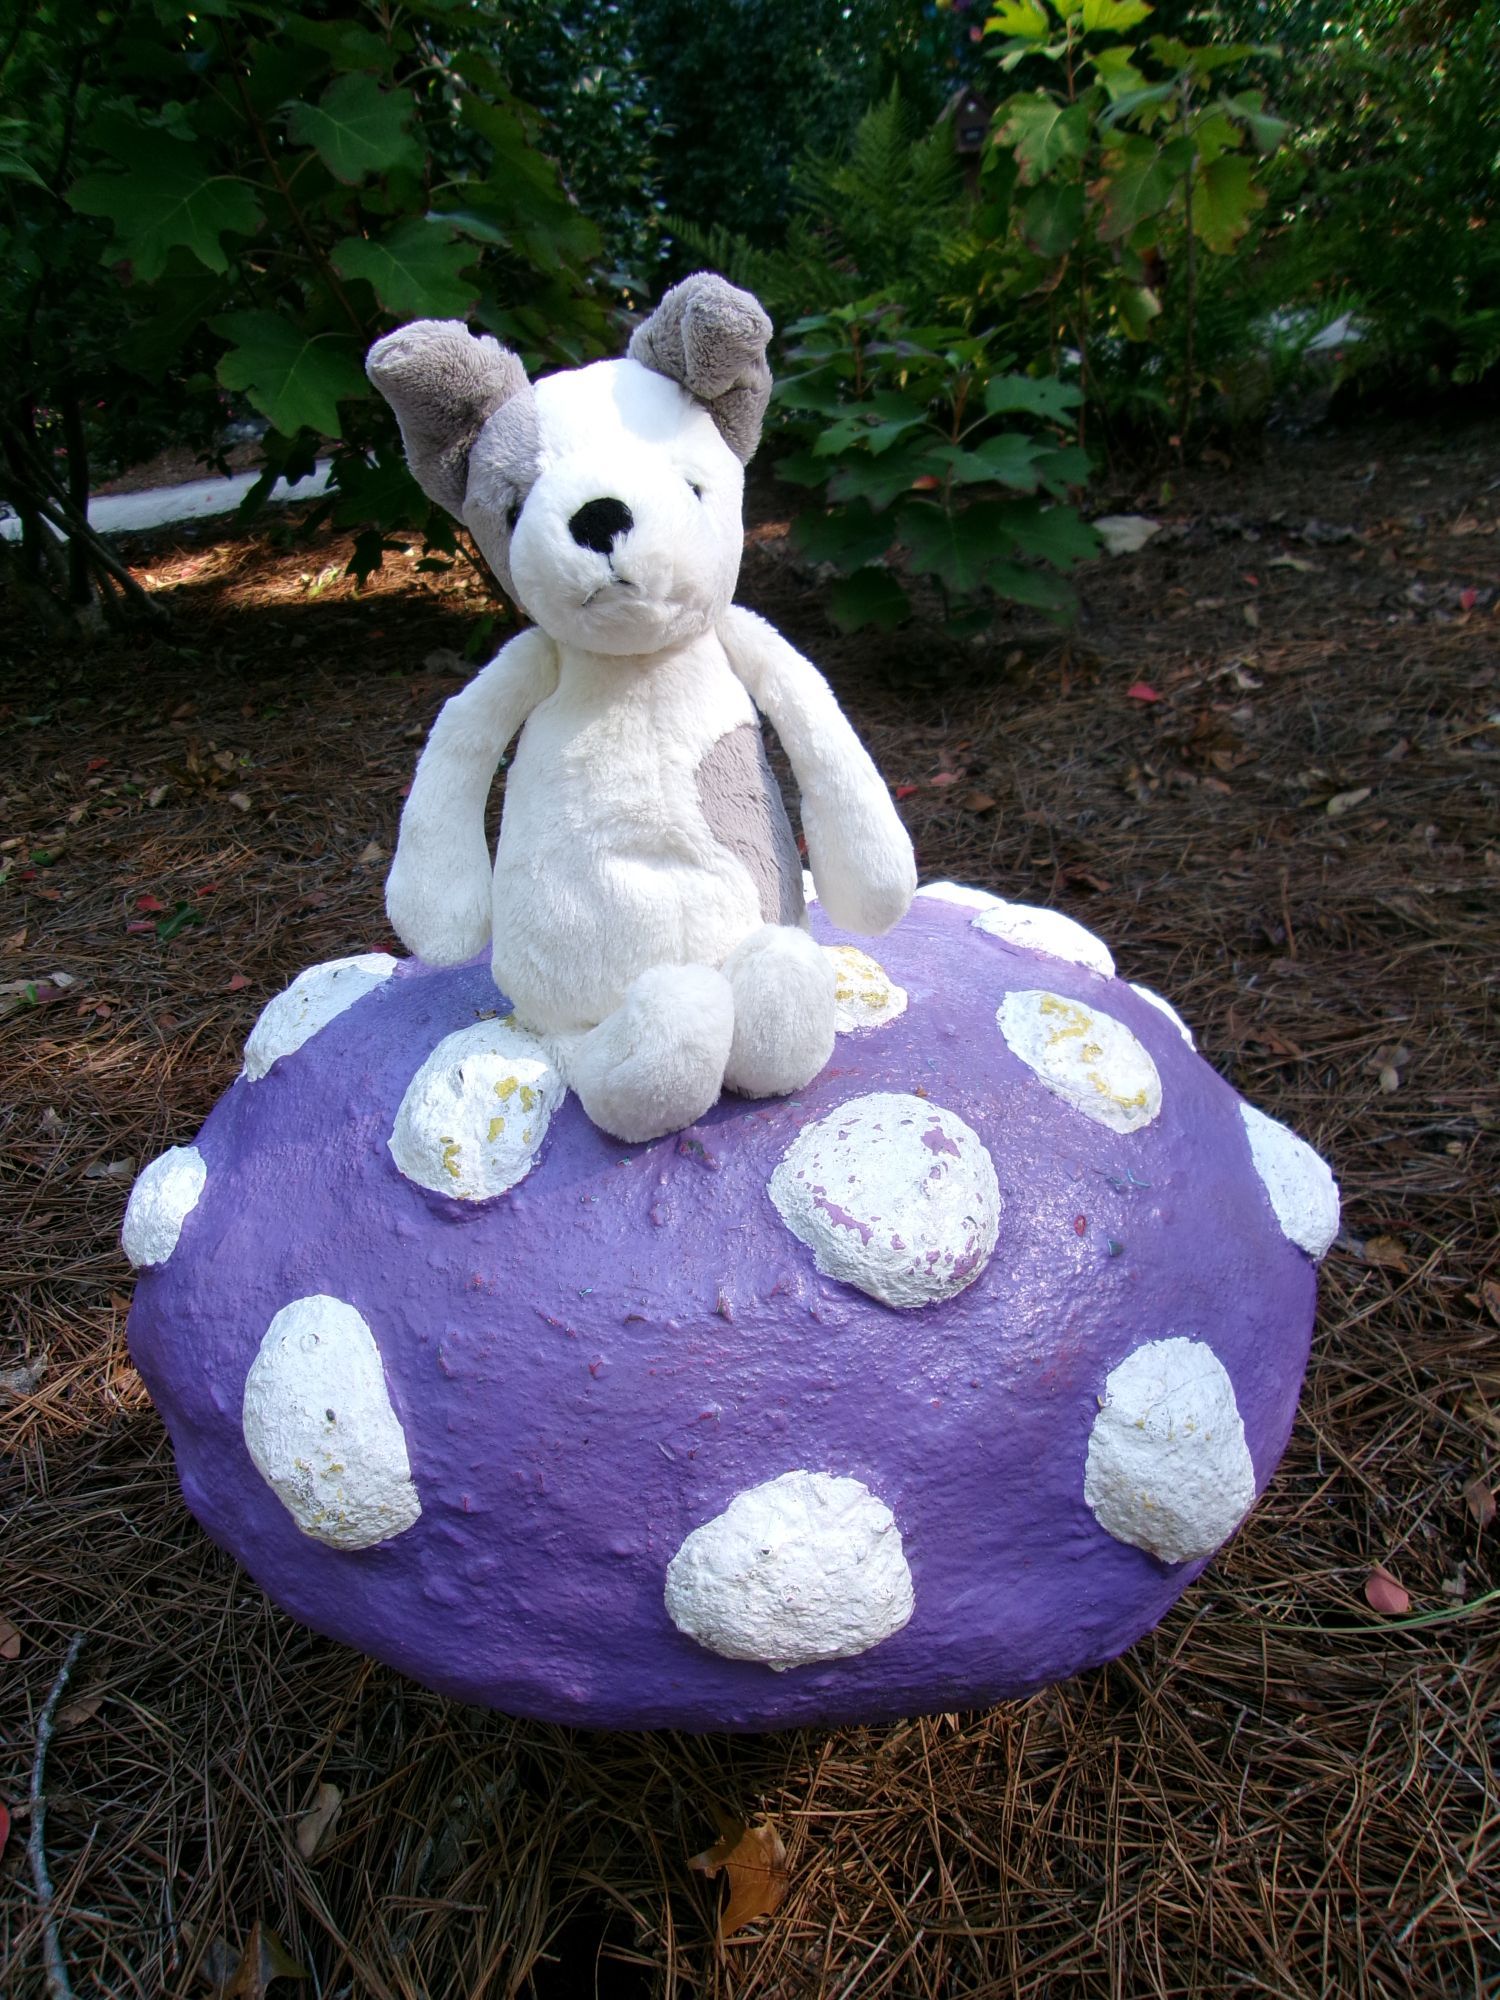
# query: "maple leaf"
753,1859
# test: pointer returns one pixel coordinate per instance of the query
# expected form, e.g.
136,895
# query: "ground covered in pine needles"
1264,767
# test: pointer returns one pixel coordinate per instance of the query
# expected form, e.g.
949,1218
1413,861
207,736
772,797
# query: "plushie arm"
437,894
859,851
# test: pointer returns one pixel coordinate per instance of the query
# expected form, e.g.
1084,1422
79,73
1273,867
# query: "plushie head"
606,499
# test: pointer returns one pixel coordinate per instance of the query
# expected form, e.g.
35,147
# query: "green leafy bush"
1398,108
928,444
239,199
899,395
1128,159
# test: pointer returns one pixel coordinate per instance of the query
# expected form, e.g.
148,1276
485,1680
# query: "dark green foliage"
913,433
1133,156
743,89
888,214
1400,114
240,199
581,65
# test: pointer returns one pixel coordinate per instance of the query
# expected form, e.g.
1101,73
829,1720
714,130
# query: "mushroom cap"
920,1390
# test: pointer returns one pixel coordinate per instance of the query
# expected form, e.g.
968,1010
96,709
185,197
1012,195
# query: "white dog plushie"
646,905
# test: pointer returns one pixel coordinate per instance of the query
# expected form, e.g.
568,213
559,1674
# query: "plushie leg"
657,1063
783,1012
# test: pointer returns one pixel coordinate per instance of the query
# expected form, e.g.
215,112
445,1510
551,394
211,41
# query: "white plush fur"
622,928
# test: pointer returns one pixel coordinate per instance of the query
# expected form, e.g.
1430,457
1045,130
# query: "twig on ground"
58,1987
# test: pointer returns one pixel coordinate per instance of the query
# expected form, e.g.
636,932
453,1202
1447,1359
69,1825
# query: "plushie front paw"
783,987
439,930
657,1063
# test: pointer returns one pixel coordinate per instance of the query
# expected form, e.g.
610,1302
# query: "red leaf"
944,778
1468,599
97,764
906,791
1251,579
1141,691
149,903
140,930
927,483
237,984
4,1826
1385,1595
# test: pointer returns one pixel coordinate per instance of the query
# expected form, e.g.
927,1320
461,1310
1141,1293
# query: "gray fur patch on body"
741,801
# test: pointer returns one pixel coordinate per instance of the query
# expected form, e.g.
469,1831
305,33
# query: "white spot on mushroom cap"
314,998
1084,1056
319,1425
864,994
164,1196
1298,1183
1050,931
801,1568
1168,1469
475,1114
961,894
891,1194
1164,1007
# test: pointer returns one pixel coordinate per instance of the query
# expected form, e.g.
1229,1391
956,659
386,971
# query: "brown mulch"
1280,1791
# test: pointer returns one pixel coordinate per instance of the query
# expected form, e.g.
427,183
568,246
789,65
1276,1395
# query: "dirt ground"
1264,766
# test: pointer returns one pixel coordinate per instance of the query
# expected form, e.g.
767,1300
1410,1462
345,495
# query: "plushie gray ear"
444,383
712,339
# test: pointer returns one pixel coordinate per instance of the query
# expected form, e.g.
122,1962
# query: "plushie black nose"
598,523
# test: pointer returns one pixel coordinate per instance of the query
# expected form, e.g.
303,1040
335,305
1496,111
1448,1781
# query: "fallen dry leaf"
978,802
373,853
75,1713
316,1822
1489,1291
18,1382
240,801
1480,1501
1343,802
1387,1250
1385,1595
1125,534
263,1959
1141,691
10,1641
754,1860
237,983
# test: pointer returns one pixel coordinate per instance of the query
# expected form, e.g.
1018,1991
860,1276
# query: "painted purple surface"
594,1364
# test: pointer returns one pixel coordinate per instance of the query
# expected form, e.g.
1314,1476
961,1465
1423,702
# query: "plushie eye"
695,489
513,514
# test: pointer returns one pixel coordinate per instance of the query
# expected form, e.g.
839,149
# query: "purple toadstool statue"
933,1384
925,1326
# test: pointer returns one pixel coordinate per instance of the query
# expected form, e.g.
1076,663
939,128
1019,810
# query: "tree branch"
53,1963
